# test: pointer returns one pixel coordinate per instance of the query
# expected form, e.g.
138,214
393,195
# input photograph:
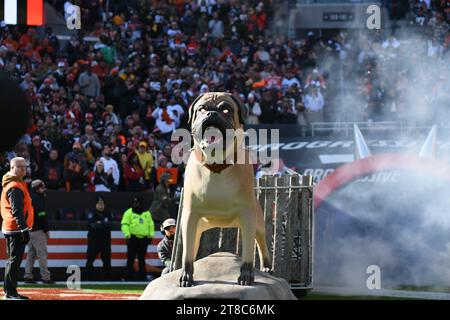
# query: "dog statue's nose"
213,113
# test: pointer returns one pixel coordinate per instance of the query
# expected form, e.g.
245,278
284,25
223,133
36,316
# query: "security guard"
18,218
139,230
99,238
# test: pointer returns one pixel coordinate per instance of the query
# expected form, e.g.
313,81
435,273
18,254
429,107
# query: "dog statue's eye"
202,109
225,111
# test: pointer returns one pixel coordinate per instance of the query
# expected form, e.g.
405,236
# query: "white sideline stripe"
82,263
83,249
100,283
10,11
83,235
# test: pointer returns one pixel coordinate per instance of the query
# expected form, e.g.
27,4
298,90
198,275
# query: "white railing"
374,126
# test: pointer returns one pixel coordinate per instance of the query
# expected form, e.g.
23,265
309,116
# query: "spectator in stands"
27,83
173,29
216,27
314,103
301,117
53,171
268,107
262,54
108,51
77,152
254,110
123,161
146,161
89,83
289,80
165,246
139,230
99,238
188,23
102,180
167,153
76,169
165,119
134,174
38,155
287,114
315,79
202,25
160,207
159,140
111,164
176,109
152,148
91,138
113,117
39,235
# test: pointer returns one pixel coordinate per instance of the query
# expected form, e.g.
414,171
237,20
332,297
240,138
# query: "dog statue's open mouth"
212,133
213,137
214,144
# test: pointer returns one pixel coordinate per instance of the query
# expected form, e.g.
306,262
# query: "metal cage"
287,204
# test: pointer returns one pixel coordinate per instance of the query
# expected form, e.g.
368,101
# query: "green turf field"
107,288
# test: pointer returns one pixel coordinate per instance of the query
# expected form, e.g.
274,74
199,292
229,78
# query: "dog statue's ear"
191,108
242,109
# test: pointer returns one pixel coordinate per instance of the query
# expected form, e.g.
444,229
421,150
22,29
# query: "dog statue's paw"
186,280
267,270
247,277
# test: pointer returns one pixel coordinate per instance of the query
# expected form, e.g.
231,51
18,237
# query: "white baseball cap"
168,223
36,183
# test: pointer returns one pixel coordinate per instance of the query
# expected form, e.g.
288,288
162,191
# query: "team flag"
25,12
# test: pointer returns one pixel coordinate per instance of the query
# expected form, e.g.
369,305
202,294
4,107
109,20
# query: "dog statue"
220,194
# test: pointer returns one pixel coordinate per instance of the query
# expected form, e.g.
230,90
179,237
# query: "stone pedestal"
216,278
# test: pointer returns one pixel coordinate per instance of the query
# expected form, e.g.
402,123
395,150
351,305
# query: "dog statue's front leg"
187,275
261,241
248,230
188,232
247,276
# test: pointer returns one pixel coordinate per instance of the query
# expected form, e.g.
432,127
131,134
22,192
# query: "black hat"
99,199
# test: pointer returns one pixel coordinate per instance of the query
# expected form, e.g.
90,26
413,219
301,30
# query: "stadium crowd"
103,112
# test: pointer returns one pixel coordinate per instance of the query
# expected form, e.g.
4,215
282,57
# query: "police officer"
99,238
139,230
165,246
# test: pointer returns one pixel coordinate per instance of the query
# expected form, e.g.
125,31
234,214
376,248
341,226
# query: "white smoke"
402,227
